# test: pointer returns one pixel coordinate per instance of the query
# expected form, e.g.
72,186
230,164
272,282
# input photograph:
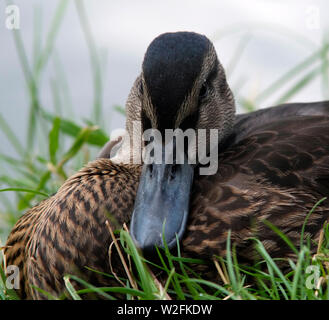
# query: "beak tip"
148,242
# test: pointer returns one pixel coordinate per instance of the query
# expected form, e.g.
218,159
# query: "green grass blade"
325,72
62,87
299,85
44,292
306,219
238,53
21,52
300,67
23,203
70,288
13,161
191,288
25,190
80,140
31,85
260,248
282,235
230,267
297,274
175,282
127,291
54,140
97,137
51,36
95,63
89,286
37,28
209,284
57,104
120,109
147,283
22,183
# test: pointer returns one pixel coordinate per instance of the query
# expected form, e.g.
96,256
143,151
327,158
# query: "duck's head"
182,85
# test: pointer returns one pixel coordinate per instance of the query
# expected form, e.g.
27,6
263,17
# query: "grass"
67,144
307,278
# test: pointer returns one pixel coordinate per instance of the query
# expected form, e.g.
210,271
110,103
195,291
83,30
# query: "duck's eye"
203,91
146,122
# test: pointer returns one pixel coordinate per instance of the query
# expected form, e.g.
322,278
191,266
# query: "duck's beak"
161,205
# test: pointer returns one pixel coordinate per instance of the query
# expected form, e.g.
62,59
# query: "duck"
273,165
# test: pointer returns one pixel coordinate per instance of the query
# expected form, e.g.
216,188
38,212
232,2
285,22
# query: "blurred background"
66,68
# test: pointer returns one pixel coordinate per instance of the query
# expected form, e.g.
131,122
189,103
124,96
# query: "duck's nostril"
150,170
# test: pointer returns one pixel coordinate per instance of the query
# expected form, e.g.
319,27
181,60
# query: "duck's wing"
246,123
276,172
15,249
67,233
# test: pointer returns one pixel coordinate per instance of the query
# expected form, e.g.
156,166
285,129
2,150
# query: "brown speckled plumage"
67,232
273,165
277,173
